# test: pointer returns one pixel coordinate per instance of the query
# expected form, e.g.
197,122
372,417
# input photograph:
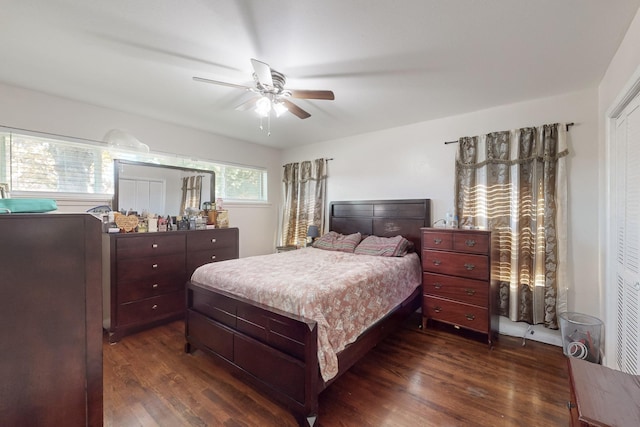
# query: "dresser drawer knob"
437,309
571,405
155,306
470,316
154,286
213,240
471,243
470,291
437,241
469,266
437,262
437,285
154,266
213,257
155,245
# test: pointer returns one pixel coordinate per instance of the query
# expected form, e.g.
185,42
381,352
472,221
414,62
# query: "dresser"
144,274
456,279
50,301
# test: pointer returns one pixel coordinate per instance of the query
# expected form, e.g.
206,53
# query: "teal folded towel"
27,205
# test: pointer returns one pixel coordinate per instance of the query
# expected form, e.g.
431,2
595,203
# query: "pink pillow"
333,241
383,246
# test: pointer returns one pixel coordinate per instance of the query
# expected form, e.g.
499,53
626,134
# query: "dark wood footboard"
273,350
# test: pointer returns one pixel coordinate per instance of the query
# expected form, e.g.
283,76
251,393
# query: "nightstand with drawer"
456,279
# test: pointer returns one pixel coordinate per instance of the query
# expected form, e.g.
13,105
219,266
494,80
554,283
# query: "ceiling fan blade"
216,82
312,94
263,73
248,105
295,110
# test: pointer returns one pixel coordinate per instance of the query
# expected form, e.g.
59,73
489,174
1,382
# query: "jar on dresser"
144,274
457,285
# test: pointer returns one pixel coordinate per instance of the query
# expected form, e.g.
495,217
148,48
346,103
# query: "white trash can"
581,336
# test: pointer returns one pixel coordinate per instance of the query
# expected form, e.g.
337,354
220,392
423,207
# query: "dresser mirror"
158,189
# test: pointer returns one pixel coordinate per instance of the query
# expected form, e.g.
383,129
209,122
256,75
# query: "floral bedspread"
344,293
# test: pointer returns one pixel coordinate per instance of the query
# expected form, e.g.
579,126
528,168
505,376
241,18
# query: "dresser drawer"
151,268
456,264
471,242
148,287
469,291
149,245
437,240
196,259
459,314
149,309
212,239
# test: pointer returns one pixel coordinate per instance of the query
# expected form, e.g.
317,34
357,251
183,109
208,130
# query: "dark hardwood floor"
434,377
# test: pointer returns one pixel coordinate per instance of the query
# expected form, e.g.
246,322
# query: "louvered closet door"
626,174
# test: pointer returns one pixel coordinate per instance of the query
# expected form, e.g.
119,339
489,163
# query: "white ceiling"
389,63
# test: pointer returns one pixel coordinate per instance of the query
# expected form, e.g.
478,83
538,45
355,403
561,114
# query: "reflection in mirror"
160,189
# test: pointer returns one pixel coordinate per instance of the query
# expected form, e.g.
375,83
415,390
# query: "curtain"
304,199
191,193
514,184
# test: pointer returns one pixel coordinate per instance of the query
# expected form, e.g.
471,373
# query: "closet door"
142,195
625,169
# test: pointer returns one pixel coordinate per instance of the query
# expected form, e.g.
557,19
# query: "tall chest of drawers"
144,274
51,346
456,279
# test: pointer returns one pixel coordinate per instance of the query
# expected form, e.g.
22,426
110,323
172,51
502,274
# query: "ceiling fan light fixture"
279,108
263,106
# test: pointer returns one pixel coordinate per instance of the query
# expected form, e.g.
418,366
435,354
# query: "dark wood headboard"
384,218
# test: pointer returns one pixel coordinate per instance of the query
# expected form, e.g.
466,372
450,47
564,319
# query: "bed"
285,354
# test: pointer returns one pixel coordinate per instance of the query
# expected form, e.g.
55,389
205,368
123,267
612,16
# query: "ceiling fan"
270,92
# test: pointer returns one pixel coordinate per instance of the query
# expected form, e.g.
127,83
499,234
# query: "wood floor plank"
432,377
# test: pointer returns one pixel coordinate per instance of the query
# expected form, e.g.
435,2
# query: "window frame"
161,159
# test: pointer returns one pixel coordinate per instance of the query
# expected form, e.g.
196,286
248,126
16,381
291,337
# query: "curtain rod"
325,159
567,126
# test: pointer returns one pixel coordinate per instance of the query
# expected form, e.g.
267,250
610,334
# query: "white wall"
20,108
413,162
623,70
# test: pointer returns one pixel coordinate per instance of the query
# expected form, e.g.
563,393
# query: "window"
237,183
36,164
31,163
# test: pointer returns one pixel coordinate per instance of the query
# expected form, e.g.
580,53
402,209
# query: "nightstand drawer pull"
154,266
437,241
437,309
437,285
213,240
470,291
155,306
469,266
471,243
154,286
470,316
571,405
155,245
213,257
437,262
